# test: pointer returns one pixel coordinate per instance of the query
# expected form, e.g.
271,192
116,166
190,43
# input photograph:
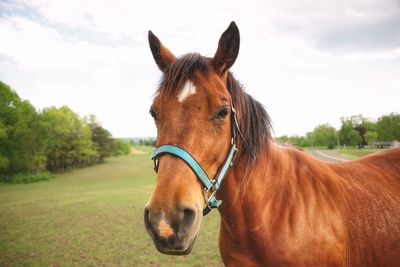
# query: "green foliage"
147,142
357,131
122,147
323,135
24,178
331,145
388,127
67,139
17,137
371,137
4,164
296,140
102,140
55,139
354,131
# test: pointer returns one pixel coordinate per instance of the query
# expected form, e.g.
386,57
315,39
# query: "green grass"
357,153
91,217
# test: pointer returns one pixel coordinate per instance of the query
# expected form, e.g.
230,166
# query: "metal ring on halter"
206,192
156,164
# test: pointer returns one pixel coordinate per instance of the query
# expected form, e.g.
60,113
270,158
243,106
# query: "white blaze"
188,90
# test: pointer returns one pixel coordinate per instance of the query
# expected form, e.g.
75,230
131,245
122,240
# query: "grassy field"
91,217
356,153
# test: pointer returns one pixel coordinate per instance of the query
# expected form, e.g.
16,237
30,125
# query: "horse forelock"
180,71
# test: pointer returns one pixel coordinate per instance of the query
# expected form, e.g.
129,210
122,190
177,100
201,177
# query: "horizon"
135,138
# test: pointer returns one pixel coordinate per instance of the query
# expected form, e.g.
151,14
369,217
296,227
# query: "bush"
22,178
331,145
122,147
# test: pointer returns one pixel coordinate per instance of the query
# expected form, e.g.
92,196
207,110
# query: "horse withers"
278,205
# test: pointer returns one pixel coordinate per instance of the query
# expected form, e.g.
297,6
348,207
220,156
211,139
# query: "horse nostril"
163,228
147,223
189,216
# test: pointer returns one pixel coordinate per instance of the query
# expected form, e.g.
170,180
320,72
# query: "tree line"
143,142
354,131
53,139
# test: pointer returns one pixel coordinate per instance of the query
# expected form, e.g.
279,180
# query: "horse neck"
261,174
272,185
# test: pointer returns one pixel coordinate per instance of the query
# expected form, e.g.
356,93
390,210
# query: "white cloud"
94,56
35,47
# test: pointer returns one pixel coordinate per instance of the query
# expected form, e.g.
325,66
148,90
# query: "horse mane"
254,121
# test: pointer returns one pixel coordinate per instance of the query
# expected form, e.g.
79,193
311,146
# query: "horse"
278,205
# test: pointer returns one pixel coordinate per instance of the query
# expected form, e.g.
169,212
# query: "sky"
308,62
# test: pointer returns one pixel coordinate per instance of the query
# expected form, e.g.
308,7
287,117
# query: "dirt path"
137,152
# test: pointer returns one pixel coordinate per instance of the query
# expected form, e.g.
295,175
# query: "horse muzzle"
174,234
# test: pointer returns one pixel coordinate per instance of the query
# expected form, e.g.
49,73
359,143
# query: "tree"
17,138
54,139
371,137
357,124
122,147
147,142
4,161
354,131
102,139
82,147
67,139
388,127
296,140
323,135
284,139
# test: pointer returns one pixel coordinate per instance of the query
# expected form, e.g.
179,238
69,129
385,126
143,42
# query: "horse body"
312,213
283,208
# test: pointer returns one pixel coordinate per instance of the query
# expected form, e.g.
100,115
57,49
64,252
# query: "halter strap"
209,184
187,158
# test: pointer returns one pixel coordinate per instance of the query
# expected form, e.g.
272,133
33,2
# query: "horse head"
193,113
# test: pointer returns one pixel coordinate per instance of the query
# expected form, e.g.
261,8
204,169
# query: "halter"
209,184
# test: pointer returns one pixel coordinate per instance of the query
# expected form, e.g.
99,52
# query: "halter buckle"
207,190
156,162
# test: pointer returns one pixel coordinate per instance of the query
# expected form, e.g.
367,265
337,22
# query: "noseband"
209,184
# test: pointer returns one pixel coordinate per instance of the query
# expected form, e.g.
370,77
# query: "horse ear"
228,49
161,54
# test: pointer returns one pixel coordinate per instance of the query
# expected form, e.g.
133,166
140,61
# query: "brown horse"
280,206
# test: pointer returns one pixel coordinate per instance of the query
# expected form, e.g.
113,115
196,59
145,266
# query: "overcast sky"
309,62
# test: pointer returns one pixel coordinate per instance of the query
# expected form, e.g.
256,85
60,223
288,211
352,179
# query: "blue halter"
209,184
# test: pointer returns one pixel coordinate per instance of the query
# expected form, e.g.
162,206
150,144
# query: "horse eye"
153,113
222,113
